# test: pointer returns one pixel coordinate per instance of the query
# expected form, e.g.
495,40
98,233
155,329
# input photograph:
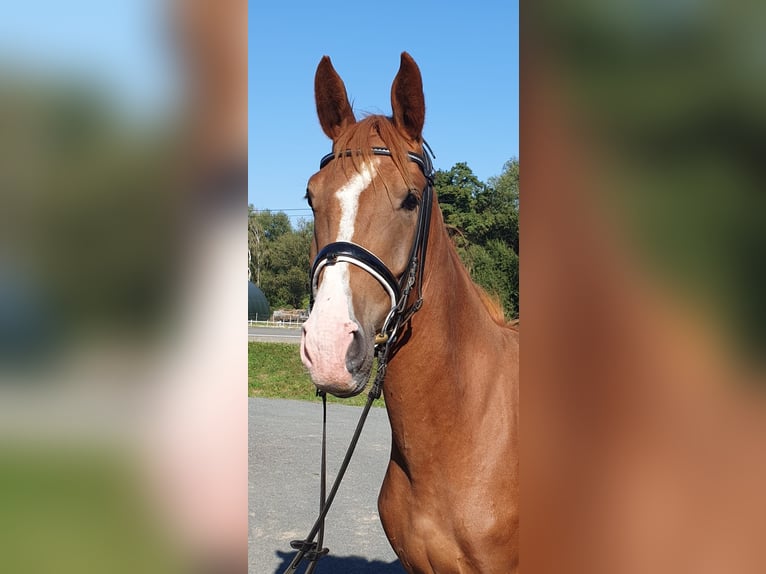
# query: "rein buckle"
312,550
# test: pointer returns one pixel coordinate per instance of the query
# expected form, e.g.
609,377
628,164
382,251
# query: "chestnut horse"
450,498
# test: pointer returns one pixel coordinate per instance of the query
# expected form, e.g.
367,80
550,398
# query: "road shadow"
342,565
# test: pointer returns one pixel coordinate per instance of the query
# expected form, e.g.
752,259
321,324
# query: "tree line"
481,217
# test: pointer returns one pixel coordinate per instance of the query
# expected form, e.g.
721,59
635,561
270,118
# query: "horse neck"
425,381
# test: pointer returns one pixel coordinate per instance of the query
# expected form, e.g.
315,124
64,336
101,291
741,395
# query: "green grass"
274,370
75,510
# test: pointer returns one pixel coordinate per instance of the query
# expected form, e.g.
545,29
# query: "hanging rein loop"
399,291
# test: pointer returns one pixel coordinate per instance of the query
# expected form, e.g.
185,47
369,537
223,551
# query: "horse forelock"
363,135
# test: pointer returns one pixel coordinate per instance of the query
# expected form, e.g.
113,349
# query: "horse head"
366,200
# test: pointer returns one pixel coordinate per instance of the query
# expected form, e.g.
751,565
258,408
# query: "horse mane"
490,301
494,307
358,138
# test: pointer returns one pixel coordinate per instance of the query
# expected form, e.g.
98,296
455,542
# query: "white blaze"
335,287
348,196
329,330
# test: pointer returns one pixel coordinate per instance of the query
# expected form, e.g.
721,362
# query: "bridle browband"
399,290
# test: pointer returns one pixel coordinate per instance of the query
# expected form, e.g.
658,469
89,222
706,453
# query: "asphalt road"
274,334
283,491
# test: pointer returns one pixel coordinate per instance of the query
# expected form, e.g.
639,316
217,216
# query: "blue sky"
467,54
120,46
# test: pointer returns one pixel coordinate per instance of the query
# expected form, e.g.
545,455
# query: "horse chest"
435,533
424,545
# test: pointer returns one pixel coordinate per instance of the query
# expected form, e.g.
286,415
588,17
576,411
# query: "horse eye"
410,202
307,197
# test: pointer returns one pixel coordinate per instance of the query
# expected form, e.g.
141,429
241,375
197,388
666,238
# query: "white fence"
294,323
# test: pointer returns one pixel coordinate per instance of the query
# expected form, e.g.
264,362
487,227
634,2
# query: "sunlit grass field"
275,371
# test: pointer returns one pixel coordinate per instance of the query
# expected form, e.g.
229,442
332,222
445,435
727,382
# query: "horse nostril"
304,351
356,353
352,327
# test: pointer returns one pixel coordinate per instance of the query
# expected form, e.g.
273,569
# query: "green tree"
495,266
264,229
256,245
457,189
274,225
483,221
279,257
498,205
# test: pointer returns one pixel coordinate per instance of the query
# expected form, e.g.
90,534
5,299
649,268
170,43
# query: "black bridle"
399,290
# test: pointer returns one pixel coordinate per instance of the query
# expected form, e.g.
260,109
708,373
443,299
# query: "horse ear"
407,100
333,108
